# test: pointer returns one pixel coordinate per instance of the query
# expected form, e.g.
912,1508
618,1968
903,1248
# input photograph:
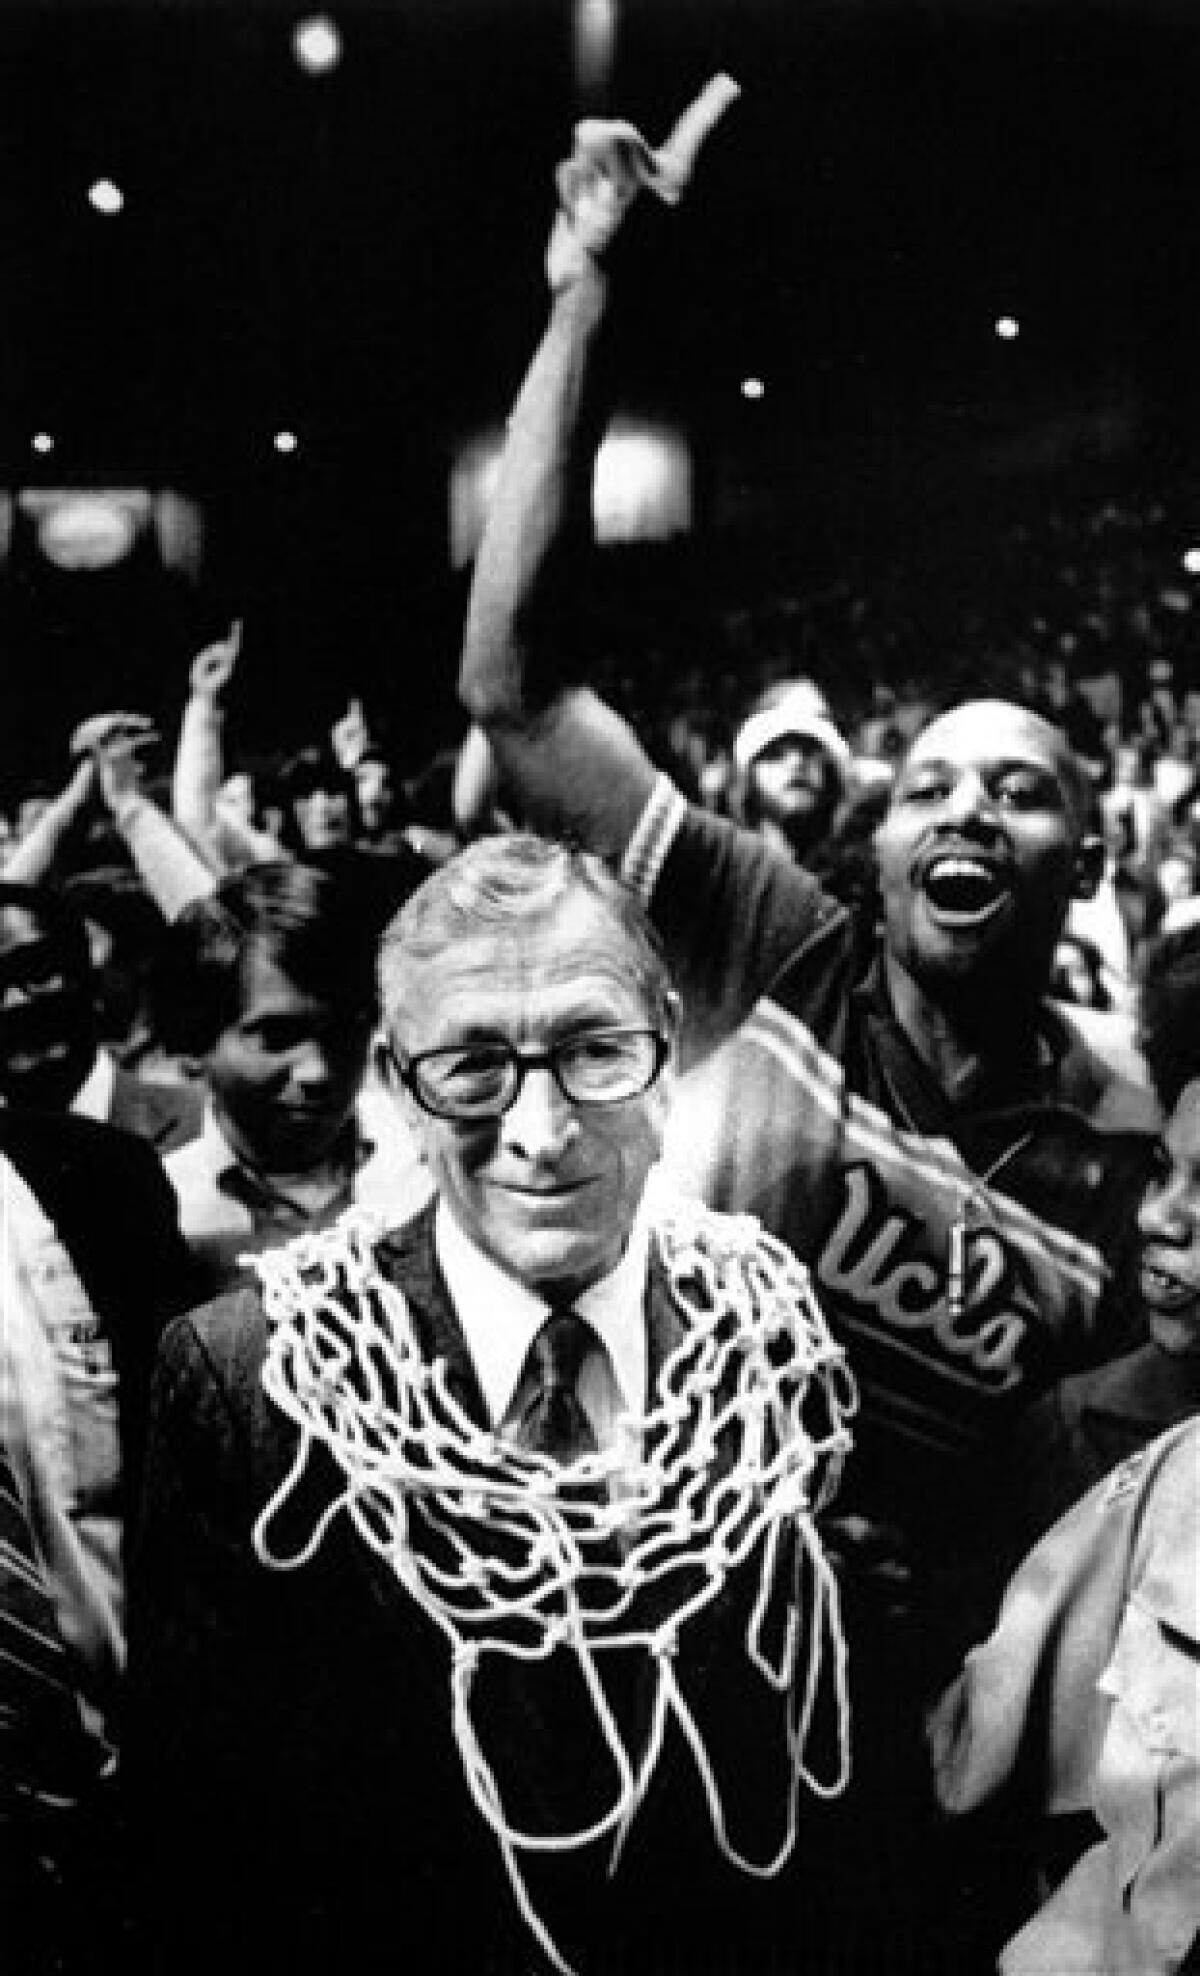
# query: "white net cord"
513,1555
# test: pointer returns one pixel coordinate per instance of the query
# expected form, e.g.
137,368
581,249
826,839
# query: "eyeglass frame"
523,1061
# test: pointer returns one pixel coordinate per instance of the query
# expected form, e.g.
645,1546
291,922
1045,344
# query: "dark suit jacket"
115,1213
301,1803
165,1115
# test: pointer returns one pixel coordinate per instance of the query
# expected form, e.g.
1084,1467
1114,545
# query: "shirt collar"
233,1175
501,1317
1028,1075
94,1097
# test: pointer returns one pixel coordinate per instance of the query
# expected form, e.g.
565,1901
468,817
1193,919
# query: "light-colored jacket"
1091,1682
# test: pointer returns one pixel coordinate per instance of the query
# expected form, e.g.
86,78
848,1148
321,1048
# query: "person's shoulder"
168,1115
229,1332
54,1145
189,1164
1171,1469
1101,1071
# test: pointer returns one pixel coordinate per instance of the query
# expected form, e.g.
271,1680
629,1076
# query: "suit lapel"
665,1328
409,1261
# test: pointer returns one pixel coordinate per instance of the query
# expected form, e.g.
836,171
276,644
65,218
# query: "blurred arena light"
106,197
1191,561
595,34
1007,328
643,485
753,388
95,528
641,489
43,443
317,45
86,528
285,441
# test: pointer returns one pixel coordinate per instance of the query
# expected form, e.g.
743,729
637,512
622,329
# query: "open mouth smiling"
961,889
1163,1289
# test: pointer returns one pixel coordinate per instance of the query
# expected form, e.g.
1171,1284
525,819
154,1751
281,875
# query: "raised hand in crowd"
117,745
213,668
350,736
40,852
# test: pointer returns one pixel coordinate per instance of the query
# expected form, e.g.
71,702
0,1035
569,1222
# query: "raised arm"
568,761
170,868
40,851
200,756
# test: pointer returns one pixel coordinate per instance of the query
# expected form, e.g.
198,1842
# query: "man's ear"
1089,866
673,1012
387,1073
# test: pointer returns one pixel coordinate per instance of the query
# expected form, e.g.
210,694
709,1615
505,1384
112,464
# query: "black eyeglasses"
482,1080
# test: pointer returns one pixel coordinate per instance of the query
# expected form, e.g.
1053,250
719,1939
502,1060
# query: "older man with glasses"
481,1599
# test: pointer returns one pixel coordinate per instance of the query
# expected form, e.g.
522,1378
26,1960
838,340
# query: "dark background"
358,258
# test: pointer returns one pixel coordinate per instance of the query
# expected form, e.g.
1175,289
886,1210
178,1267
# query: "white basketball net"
740,1448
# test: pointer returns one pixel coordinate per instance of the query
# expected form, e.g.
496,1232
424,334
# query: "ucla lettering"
872,1258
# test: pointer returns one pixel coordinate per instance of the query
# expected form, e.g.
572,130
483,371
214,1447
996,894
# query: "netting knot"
465,1659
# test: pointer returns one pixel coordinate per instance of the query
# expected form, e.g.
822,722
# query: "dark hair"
505,880
313,768
1169,1011
303,920
58,919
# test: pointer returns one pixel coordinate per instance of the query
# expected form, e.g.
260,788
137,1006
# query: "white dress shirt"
94,1098
501,1318
225,1211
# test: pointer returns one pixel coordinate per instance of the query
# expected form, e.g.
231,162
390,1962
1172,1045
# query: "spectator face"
793,782
285,1075
1169,1227
1177,876
1130,769
375,794
981,851
237,798
1076,975
47,1019
323,818
550,1189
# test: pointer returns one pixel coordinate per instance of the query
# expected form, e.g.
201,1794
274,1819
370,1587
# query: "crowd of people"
618,1328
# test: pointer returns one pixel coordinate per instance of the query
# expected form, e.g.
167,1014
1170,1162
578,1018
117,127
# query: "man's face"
47,1018
1177,876
982,850
373,779
549,1190
1129,770
1169,1229
792,780
323,819
237,797
284,1076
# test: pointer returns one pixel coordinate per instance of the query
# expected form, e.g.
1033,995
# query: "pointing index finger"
676,159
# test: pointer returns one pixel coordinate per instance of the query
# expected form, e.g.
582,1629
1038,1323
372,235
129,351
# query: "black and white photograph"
600,988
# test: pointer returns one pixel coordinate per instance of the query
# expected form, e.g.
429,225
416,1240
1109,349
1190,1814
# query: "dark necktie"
554,1422
42,1741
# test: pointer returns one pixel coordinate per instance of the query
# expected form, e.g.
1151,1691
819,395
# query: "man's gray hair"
501,882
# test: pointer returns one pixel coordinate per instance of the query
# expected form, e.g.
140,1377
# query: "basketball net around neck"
740,1447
